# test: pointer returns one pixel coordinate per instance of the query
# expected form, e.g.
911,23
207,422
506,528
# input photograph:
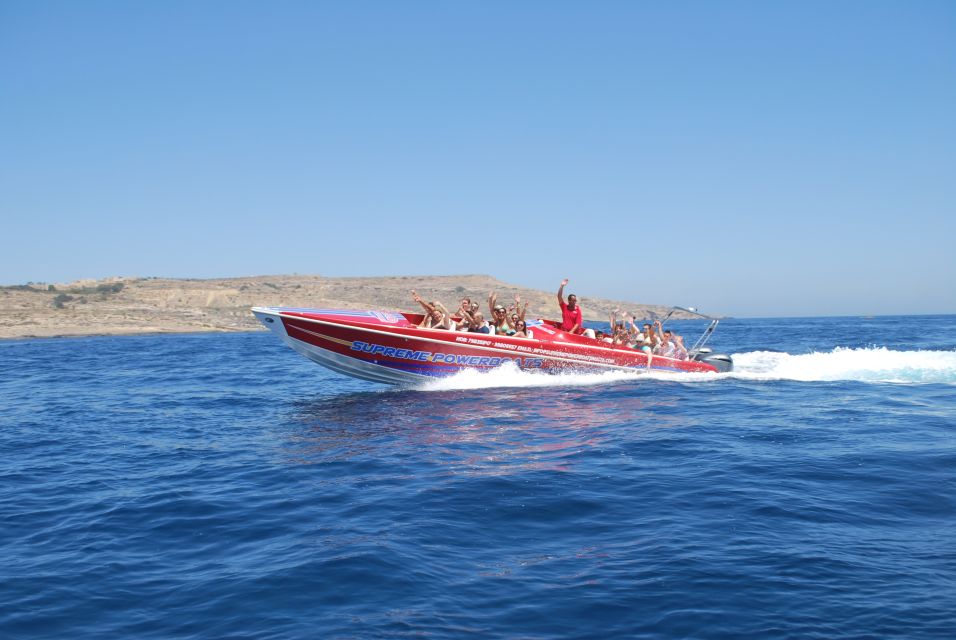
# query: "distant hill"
164,305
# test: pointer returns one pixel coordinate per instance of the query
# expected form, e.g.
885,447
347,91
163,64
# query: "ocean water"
221,486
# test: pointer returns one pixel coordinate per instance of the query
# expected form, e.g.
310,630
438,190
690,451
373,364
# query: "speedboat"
390,347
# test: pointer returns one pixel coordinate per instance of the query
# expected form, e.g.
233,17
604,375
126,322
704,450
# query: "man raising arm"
572,318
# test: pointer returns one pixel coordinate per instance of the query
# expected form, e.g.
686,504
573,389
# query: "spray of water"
873,364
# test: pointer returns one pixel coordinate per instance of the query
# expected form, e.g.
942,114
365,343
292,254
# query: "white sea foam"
872,364
509,375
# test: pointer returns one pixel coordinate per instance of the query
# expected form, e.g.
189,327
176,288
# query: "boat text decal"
447,358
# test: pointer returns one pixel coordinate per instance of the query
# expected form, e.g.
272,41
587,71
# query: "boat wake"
509,375
871,364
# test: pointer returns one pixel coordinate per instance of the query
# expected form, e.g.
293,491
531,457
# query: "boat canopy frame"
705,336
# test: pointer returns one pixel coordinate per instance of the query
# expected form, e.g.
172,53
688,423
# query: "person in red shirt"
572,319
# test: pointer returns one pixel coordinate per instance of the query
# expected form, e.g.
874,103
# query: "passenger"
620,334
514,317
665,346
650,340
612,321
444,320
499,316
626,338
647,339
474,322
501,322
508,328
680,348
429,309
522,330
517,312
631,339
635,335
623,334
478,324
656,331
436,315
572,319
464,311
623,337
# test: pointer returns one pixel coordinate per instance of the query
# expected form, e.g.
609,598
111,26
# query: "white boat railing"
702,340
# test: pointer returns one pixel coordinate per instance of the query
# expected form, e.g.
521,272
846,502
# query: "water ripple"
220,486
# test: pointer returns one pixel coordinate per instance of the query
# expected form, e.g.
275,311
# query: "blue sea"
221,486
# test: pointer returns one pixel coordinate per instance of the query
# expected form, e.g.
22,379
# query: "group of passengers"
652,339
503,321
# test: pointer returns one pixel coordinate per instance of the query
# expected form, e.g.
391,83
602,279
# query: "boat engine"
721,361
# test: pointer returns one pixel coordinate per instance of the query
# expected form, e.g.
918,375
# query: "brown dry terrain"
118,306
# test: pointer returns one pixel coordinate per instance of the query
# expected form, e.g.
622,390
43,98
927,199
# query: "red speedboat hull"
388,347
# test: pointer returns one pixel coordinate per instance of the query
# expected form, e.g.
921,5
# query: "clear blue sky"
750,158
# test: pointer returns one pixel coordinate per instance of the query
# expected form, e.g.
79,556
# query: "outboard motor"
721,361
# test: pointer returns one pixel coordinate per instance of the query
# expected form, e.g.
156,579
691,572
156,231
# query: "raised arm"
427,307
561,292
465,315
492,299
511,317
521,311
